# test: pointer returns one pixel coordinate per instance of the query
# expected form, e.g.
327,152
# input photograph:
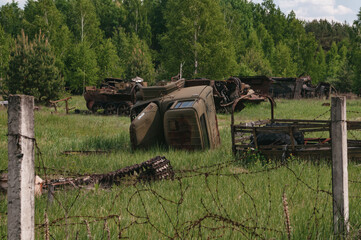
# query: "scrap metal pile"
157,168
279,138
288,87
115,96
226,93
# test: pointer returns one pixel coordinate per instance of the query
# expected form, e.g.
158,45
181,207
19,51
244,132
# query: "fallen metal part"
85,152
157,168
55,104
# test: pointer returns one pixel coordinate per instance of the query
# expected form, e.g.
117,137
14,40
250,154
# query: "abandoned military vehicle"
182,118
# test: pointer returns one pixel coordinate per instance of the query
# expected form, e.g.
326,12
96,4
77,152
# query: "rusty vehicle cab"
183,119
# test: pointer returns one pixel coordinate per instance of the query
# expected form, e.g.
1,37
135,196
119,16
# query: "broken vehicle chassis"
312,148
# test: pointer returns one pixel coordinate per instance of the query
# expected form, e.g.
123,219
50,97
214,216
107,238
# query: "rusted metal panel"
287,87
227,92
115,96
279,138
186,119
260,84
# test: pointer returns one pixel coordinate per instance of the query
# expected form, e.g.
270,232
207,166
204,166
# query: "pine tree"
5,44
11,17
32,69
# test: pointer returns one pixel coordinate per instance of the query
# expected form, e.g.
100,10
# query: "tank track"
157,168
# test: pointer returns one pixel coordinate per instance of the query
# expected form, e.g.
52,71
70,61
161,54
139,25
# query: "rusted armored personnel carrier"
115,96
182,118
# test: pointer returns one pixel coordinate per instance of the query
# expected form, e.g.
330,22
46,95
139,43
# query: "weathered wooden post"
339,166
21,168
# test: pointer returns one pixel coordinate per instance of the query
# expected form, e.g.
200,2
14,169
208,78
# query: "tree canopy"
155,39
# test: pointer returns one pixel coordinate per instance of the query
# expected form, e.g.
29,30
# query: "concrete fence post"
339,166
21,168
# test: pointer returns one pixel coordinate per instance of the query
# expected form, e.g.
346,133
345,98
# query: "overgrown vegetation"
202,199
209,38
33,71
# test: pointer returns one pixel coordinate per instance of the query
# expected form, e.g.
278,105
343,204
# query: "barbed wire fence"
214,220
150,209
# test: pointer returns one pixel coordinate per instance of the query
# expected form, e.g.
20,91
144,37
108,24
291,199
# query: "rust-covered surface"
287,87
260,84
279,138
183,119
157,168
226,92
115,96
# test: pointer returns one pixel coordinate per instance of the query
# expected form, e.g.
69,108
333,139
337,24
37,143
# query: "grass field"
207,199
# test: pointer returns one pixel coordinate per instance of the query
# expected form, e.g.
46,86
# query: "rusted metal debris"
184,118
288,87
157,168
85,152
37,181
279,138
55,104
115,96
226,93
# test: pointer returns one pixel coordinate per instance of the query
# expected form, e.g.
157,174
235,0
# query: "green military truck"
182,118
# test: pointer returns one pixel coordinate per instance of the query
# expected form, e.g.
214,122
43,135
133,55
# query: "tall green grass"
246,198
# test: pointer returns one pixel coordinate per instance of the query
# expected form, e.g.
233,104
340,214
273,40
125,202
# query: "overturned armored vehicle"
184,118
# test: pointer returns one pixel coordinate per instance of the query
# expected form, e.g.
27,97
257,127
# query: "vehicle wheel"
96,107
110,109
123,109
89,105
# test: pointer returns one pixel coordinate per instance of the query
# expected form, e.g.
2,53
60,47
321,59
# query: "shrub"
32,69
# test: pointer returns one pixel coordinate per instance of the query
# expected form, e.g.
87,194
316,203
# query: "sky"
332,10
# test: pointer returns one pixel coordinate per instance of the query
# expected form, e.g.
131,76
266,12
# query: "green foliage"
135,56
136,21
111,14
11,18
108,60
198,38
250,194
84,22
283,64
140,60
320,68
32,69
82,68
5,43
254,63
209,38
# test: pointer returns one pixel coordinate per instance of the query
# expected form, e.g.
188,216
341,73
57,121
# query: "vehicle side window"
204,131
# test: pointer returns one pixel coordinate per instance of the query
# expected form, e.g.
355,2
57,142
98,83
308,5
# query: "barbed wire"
215,220
328,111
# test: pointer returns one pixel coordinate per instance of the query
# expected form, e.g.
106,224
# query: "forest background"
52,45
